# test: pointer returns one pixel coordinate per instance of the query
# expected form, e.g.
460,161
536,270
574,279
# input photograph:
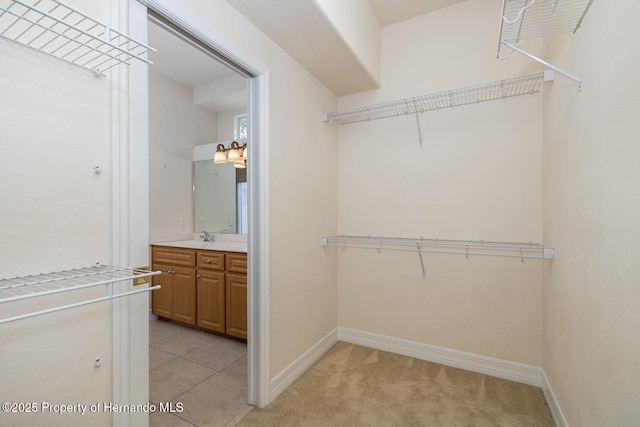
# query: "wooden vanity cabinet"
236,290
184,295
206,289
210,289
177,298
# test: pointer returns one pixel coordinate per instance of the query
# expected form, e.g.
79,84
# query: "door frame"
129,103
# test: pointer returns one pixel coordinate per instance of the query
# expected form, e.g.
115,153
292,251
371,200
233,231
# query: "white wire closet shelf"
522,20
500,89
52,27
461,247
39,285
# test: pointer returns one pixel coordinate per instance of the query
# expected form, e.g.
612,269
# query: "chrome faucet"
206,236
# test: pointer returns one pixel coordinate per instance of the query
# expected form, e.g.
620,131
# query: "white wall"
478,176
56,214
175,127
226,124
591,210
302,185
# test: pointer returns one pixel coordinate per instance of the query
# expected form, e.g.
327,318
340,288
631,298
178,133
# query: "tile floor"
205,372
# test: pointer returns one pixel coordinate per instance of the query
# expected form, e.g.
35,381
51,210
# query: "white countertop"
215,245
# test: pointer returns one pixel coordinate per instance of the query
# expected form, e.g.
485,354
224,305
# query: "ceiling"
390,12
183,63
300,29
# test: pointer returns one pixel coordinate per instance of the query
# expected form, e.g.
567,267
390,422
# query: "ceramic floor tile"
237,369
174,378
218,355
183,363
161,329
165,419
239,416
159,357
184,341
215,402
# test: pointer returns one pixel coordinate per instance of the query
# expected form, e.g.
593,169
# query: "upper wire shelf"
63,32
25,287
506,88
526,19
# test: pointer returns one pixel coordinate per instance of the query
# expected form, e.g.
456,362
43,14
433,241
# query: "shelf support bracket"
419,246
543,62
419,130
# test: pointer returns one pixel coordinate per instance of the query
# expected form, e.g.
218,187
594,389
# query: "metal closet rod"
462,247
78,304
39,285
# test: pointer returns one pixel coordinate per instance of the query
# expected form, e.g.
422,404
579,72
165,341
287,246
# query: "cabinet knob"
208,261
197,276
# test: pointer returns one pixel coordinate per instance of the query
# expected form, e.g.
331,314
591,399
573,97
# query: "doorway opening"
163,17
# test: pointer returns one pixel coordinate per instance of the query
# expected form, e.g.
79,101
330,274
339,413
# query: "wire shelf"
500,89
63,32
463,247
527,19
39,285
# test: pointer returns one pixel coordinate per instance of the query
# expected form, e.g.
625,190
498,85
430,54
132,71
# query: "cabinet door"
161,298
210,296
184,295
236,305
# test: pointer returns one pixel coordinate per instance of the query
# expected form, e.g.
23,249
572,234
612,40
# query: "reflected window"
240,126
241,221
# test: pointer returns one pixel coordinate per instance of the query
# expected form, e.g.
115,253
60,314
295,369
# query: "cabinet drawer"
237,263
211,260
174,256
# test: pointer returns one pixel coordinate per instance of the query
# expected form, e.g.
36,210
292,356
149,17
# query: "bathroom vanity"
204,285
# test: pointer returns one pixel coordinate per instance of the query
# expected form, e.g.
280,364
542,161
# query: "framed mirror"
219,198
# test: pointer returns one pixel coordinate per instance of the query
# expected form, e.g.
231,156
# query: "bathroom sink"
216,245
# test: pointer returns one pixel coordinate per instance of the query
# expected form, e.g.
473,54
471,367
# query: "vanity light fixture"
220,156
235,153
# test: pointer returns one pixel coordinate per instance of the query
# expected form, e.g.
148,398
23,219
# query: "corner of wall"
552,402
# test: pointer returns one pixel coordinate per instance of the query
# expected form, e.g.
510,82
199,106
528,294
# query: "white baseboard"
505,369
288,375
552,402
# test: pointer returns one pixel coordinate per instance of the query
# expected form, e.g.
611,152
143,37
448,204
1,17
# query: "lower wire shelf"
39,285
461,247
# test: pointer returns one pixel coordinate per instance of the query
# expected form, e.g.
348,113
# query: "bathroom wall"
56,214
302,182
478,176
226,123
175,127
591,211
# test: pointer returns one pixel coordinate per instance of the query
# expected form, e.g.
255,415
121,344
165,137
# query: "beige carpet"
358,386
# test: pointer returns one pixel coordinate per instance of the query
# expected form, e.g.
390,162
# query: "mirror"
219,198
